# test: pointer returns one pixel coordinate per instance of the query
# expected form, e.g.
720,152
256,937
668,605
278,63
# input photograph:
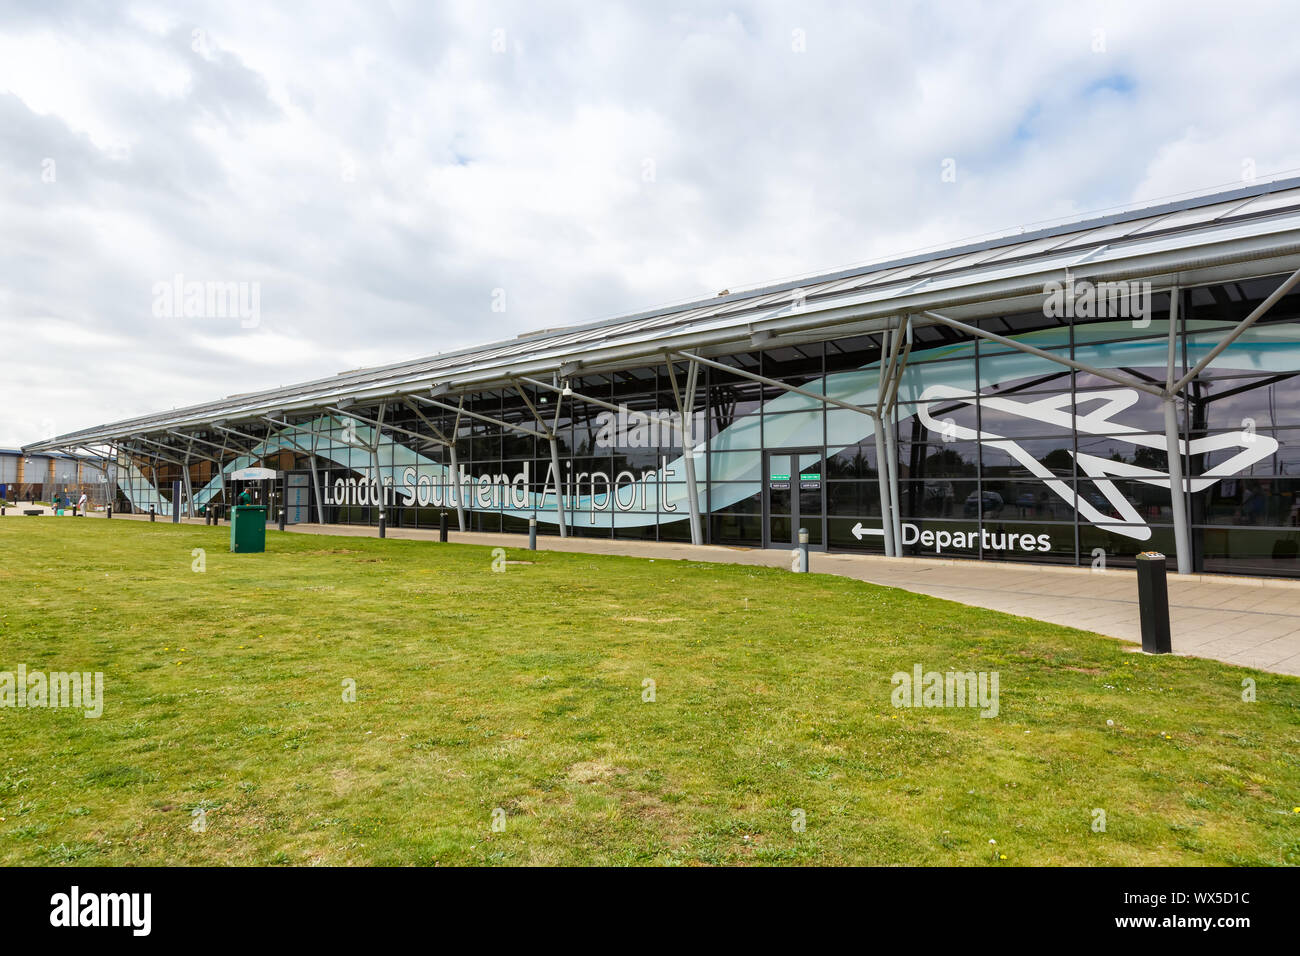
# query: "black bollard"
532,533
152,514
108,512
803,550
1153,603
383,525
442,526
282,519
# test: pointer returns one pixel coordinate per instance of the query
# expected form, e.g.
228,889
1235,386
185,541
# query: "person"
81,505
245,498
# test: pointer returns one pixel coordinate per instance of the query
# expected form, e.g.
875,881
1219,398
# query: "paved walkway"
17,509
1250,621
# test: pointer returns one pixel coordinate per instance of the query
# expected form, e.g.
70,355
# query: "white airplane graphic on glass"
1052,410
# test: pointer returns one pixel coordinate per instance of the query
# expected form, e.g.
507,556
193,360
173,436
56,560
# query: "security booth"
248,521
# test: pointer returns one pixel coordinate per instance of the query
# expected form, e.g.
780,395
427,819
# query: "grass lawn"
522,691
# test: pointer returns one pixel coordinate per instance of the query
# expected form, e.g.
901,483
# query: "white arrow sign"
859,531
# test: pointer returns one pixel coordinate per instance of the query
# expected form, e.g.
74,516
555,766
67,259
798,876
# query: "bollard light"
532,533
442,526
1153,603
803,550
383,526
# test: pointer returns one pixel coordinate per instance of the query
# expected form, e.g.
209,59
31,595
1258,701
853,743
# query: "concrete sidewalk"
1254,622
16,511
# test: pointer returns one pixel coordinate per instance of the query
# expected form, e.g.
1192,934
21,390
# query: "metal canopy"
1256,227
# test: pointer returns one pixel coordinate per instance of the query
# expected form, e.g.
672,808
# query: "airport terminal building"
1102,387
44,477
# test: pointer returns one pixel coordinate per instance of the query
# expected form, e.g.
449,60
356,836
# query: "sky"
376,182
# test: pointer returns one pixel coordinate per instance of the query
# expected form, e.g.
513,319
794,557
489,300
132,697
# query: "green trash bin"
248,529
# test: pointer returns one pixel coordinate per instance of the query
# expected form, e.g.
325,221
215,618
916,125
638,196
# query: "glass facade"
1001,455
28,478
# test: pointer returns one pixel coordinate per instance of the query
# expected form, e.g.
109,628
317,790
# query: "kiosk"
248,521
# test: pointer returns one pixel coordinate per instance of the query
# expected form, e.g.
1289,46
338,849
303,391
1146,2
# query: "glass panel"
855,461
735,466
794,428
936,498
1243,551
779,530
778,499
1269,502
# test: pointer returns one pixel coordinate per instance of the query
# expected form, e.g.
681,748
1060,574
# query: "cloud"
380,171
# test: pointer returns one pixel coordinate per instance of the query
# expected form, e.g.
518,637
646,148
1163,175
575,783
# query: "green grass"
522,690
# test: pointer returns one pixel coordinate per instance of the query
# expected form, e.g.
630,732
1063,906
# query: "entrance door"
794,497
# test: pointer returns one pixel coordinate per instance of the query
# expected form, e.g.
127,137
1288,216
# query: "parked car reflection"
991,500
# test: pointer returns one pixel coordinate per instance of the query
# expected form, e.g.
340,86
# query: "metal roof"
1256,225
19,453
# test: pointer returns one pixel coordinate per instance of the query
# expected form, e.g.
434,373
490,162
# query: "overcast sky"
379,171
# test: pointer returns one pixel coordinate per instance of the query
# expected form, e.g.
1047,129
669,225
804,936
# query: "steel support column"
555,463
885,390
559,486
221,472
455,470
891,450
1177,487
688,453
374,459
189,488
882,480
1177,495
686,409
315,475
455,483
